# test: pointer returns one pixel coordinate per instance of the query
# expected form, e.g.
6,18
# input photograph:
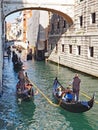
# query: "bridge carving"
64,8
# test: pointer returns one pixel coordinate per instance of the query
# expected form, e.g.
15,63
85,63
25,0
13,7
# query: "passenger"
64,96
21,75
69,97
28,86
59,92
20,86
28,90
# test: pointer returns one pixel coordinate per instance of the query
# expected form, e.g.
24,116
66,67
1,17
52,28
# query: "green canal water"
40,114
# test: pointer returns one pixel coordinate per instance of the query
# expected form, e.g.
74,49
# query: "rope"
85,95
88,96
56,105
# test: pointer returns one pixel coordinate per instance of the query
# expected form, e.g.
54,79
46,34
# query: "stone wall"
82,62
85,37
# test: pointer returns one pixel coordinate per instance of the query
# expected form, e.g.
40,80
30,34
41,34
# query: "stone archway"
7,7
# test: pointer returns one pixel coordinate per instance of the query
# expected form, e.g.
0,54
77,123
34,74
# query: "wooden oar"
56,105
85,95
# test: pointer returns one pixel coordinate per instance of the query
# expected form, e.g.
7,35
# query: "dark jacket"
76,84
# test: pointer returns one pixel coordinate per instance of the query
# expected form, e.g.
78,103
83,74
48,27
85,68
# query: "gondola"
29,55
24,92
18,65
73,106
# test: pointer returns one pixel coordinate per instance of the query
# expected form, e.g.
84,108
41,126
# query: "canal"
40,114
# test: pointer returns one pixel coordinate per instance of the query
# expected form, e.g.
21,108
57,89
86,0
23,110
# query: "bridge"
64,8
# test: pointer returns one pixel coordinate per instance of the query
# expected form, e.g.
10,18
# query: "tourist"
59,92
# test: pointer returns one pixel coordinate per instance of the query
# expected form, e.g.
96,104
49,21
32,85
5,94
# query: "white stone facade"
80,42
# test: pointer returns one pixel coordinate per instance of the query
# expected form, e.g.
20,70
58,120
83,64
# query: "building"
37,33
26,15
77,47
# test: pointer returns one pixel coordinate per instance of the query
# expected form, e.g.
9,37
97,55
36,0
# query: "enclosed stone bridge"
64,8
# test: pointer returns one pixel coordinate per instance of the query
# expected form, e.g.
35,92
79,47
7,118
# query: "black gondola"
29,55
18,65
73,106
24,91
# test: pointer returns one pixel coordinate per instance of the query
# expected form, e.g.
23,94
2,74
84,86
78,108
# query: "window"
51,47
58,25
81,0
78,50
81,21
91,51
70,49
52,26
62,47
64,24
93,17
56,47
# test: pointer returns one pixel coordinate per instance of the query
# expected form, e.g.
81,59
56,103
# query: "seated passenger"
59,93
64,96
69,97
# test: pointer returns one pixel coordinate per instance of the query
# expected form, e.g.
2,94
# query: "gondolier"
76,86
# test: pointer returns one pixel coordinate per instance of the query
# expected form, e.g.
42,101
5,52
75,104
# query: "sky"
11,17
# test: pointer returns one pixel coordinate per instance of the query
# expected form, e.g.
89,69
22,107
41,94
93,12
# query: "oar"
57,105
85,95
